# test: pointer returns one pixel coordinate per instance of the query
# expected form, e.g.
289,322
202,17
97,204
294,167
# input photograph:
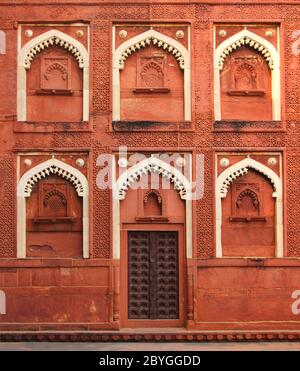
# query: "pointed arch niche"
247,78
57,68
151,70
224,184
40,172
132,175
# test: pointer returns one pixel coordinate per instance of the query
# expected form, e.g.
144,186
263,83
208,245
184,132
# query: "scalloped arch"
246,38
248,193
56,167
49,39
155,165
153,192
152,37
240,168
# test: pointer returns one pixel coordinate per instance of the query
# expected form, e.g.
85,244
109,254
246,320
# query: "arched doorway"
154,229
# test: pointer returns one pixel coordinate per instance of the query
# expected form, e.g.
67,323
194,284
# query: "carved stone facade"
160,77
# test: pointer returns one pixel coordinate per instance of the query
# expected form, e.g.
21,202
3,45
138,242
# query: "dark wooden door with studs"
153,275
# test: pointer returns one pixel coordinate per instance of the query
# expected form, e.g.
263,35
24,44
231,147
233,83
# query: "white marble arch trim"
148,165
224,181
32,176
142,40
36,45
269,52
154,165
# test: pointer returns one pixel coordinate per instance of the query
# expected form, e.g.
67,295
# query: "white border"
224,181
22,193
275,71
130,43
21,73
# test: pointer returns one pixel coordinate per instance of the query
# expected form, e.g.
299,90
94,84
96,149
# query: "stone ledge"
139,125
248,126
169,336
51,127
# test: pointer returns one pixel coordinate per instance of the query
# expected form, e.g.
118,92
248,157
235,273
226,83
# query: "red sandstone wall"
243,297
58,291
46,293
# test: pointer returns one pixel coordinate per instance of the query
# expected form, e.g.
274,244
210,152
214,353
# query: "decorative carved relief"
52,41
152,40
246,205
151,72
153,192
155,168
53,169
250,194
242,168
55,73
53,200
151,75
249,205
152,203
245,77
248,224
246,41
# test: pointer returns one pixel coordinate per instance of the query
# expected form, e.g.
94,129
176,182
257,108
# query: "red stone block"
88,276
46,277
90,308
10,279
24,277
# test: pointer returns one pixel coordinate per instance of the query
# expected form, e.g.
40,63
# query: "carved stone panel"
151,72
152,203
246,75
55,73
246,199
54,200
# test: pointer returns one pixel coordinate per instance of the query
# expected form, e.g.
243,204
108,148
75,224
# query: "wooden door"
153,275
